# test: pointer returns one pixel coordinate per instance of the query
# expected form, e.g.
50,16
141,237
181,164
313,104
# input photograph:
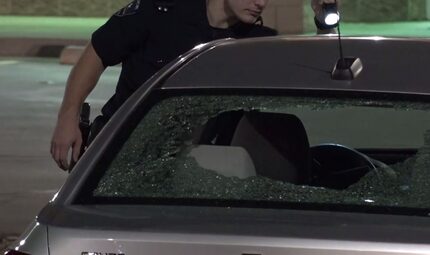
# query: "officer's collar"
236,27
239,28
195,12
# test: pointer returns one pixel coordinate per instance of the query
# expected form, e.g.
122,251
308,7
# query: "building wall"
77,8
287,16
284,15
383,10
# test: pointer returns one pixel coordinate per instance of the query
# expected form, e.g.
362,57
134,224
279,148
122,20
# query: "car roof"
394,65
390,65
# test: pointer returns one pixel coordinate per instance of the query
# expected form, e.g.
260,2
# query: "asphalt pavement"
31,91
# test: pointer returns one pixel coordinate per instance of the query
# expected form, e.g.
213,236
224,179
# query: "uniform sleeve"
123,33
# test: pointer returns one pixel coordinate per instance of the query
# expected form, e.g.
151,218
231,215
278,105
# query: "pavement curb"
71,54
36,47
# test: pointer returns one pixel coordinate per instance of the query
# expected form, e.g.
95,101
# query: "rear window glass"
276,149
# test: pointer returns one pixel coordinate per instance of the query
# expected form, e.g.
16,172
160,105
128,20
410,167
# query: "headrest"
225,160
276,142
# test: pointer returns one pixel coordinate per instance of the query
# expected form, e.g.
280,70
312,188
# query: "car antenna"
346,68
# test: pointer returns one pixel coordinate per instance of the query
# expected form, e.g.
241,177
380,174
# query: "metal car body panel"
243,221
34,240
196,76
111,242
391,65
171,77
194,230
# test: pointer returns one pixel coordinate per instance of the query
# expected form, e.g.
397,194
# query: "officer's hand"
317,4
66,135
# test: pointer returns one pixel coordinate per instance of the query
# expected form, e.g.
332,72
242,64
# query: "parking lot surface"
31,91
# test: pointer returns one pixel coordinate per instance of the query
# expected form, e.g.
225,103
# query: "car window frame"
126,127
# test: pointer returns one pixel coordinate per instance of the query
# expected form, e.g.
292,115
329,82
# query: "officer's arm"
82,79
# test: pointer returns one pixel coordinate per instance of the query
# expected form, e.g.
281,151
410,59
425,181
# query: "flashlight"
328,18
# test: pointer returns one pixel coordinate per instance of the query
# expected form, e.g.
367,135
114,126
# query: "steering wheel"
337,166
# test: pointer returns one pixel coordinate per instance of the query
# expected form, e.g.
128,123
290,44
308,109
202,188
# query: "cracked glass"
387,142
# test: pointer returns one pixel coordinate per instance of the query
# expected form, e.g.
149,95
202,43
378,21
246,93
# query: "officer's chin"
248,19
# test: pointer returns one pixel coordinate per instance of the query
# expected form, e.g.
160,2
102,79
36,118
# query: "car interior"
275,145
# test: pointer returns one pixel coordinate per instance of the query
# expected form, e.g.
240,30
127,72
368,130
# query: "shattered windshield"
276,149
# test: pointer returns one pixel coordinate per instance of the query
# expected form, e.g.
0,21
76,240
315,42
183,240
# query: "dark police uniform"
147,34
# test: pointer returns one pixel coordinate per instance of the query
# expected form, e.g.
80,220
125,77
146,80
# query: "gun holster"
84,126
88,130
97,125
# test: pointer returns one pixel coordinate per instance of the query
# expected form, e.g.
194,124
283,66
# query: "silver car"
263,146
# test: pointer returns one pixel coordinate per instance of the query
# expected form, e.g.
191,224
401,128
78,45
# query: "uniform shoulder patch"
131,9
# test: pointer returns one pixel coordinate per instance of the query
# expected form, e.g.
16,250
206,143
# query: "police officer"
144,36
